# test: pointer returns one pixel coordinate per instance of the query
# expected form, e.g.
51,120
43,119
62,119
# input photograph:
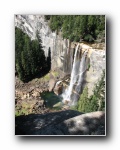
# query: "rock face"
51,84
96,66
62,51
59,48
62,123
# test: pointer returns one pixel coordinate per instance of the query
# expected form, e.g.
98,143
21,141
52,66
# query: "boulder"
67,122
51,84
36,94
58,88
59,104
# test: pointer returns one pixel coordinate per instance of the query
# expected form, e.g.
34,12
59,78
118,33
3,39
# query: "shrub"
96,101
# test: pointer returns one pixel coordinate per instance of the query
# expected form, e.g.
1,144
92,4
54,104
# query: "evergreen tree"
75,27
49,59
30,58
83,101
96,101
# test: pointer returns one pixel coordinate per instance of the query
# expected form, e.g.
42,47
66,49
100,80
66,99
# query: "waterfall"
82,70
71,94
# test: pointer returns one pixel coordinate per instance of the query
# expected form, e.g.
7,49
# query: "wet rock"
59,104
58,88
66,102
65,107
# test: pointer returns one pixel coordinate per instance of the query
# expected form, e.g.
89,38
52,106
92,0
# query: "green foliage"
23,110
83,101
99,92
88,66
46,77
47,17
56,22
29,56
76,27
96,101
88,38
49,59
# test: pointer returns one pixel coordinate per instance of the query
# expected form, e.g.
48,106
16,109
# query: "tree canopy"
95,102
29,56
78,27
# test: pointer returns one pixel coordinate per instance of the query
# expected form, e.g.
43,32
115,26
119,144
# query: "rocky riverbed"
30,99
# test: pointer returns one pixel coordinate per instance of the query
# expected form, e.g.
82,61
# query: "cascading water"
71,94
82,70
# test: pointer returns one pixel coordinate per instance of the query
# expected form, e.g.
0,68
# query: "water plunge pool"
51,99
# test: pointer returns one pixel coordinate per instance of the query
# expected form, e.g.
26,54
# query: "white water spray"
71,94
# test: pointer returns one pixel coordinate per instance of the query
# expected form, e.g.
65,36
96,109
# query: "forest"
50,99
30,60
95,102
88,28
29,55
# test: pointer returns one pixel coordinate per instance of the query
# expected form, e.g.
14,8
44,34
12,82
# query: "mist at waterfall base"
72,93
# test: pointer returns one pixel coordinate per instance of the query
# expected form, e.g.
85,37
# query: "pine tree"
30,58
49,59
82,105
76,27
96,101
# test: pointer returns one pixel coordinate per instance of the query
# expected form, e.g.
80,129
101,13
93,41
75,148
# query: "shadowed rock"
67,122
